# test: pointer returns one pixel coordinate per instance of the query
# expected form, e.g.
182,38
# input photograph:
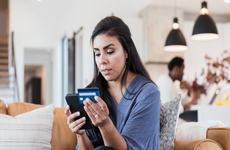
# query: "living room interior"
46,44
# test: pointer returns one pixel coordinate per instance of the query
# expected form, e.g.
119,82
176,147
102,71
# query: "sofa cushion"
62,137
203,144
31,130
168,117
2,107
220,135
18,108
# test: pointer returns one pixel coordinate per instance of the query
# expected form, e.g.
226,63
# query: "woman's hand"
75,125
98,112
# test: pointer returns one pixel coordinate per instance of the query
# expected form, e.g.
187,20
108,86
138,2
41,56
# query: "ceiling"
218,7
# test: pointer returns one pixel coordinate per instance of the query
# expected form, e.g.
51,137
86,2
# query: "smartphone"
73,102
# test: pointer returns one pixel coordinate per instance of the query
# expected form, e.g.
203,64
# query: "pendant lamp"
205,27
175,41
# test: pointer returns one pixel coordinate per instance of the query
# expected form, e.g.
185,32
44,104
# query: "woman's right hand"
75,125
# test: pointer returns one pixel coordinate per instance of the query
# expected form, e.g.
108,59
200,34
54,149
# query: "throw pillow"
168,117
31,130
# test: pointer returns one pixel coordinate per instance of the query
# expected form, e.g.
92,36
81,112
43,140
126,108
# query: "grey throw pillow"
168,120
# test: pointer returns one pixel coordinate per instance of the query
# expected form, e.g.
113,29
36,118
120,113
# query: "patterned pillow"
168,120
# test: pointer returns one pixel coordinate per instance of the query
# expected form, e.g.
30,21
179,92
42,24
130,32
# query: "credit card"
88,93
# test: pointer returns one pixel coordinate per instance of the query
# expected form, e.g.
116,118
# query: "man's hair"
176,61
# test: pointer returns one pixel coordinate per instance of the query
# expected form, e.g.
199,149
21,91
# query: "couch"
216,138
62,136
64,139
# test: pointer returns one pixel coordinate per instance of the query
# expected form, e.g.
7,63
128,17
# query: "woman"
127,115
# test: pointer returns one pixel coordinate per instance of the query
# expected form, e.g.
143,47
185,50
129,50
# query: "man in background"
170,87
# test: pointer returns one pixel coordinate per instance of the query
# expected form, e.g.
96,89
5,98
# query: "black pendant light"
205,27
175,41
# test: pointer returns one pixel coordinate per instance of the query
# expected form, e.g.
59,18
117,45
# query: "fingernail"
84,102
96,97
83,118
78,113
85,107
87,99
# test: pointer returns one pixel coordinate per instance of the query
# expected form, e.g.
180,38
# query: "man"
169,86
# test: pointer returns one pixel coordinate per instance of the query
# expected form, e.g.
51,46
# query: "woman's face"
110,57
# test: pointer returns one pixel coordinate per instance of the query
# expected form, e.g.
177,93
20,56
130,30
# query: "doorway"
33,77
38,72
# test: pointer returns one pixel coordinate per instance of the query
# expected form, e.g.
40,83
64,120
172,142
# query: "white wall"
195,55
157,25
41,25
35,26
57,76
226,36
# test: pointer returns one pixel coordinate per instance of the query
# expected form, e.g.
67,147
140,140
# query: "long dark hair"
114,27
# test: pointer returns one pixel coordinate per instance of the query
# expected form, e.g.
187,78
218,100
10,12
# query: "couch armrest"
62,137
220,135
203,144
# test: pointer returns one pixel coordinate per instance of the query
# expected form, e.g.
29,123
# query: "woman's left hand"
98,112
